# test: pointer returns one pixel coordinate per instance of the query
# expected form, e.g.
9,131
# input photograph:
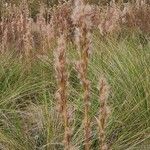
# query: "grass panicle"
62,84
103,113
82,19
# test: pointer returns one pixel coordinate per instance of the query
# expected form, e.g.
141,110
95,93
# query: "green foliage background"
28,119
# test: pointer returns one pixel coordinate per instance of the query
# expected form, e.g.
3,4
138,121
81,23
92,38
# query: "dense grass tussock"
76,77
29,116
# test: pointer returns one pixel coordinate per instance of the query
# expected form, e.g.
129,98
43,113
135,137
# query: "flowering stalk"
62,83
4,41
82,19
103,116
82,68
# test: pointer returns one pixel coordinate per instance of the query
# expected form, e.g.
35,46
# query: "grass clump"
62,59
29,118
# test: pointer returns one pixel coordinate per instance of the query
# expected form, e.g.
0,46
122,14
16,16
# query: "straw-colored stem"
82,19
103,95
86,90
82,68
62,82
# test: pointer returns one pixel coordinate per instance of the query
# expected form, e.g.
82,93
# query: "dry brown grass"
62,92
18,31
82,19
103,113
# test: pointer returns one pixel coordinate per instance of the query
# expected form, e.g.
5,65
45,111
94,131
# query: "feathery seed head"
103,89
82,14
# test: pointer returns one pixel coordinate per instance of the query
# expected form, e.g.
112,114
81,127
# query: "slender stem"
103,116
62,81
83,71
